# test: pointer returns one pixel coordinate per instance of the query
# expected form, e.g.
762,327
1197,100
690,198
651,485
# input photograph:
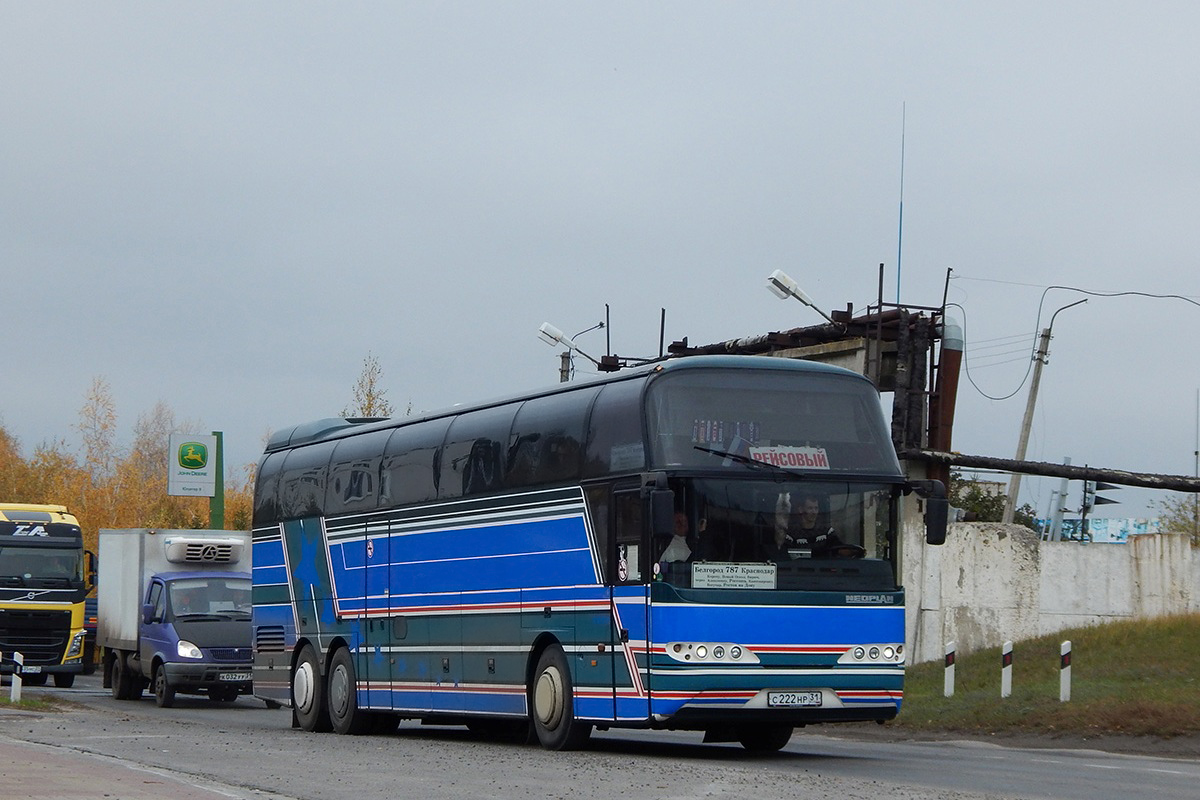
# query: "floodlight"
553,336
782,286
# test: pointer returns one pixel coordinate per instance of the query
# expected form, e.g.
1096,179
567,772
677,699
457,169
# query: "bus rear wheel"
308,693
765,738
344,713
552,703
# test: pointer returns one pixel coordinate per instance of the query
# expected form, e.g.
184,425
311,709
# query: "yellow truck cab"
45,576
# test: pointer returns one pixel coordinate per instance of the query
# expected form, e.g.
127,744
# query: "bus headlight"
188,650
873,654
710,653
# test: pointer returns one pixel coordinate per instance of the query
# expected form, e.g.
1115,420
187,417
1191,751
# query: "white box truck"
174,613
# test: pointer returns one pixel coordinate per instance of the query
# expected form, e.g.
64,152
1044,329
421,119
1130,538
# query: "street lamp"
782,286
554,337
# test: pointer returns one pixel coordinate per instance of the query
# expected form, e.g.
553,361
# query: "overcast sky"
226,206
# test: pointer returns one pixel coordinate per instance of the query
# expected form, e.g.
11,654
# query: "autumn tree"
369,399
98,428
1181,514
111,487
983,504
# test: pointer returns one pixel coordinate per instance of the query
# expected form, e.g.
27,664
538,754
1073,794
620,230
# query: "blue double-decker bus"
705,544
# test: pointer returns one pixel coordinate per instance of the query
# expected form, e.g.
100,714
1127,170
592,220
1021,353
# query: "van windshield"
222,597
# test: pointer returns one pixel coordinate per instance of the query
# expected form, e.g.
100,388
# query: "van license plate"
792,699
234,676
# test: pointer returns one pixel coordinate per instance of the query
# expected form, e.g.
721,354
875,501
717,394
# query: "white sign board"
721,575
192,465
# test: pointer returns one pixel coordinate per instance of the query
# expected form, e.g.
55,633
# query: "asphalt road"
134,750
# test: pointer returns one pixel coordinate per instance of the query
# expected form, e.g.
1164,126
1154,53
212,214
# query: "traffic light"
1091,499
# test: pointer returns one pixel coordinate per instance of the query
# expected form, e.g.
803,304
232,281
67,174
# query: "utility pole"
1059,508
1039,359
1014,482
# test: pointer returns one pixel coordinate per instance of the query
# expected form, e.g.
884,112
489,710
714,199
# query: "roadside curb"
45,772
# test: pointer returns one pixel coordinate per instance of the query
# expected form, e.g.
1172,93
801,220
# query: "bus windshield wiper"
747,461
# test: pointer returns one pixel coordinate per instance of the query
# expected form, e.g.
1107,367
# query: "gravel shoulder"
1185,747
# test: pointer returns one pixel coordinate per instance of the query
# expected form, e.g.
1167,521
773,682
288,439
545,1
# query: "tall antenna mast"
900,231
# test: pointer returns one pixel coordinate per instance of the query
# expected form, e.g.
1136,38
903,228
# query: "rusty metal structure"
895,345
915,353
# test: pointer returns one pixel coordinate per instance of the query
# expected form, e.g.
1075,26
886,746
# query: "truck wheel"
552,703
344,713
64,680
121,680
308,693
164,692
34,679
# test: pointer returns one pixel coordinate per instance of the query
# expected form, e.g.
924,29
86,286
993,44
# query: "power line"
1041,304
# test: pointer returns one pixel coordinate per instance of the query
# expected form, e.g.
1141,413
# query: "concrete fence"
991,582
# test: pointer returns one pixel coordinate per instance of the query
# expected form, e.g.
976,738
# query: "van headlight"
188,650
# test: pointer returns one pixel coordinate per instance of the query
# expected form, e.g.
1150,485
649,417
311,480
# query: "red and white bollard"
948,688
1006,658
1064,672
14,694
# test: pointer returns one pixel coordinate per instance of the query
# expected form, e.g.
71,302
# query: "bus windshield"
786,535
811,422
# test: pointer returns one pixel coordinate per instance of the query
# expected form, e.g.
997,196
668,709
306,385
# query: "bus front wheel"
552,703
344,713
308,693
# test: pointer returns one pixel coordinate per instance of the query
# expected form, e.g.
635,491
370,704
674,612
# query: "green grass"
30,701
1139,677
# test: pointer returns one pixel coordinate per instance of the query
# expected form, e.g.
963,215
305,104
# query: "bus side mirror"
662,512
936,511
937,508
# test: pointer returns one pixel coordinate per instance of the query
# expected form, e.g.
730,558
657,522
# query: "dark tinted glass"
615,442
302,482
353,483
474,454
266,490
411,472
547,439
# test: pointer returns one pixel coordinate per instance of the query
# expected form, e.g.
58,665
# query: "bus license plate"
234,676
785,699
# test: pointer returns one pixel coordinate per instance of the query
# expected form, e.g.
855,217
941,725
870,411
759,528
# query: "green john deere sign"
193,455
192,465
